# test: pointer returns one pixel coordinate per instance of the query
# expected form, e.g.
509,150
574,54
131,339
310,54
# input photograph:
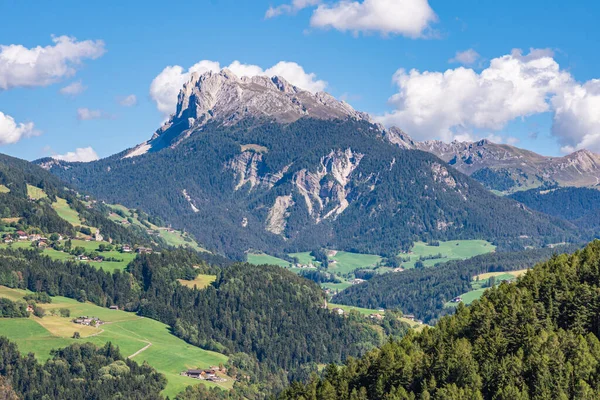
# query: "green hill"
166,353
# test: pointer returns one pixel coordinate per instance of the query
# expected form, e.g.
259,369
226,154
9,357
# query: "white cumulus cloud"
73,89
165,87
467,57
40,66
454,104
12,132
410,18
128,101
577,116
81,154
441,104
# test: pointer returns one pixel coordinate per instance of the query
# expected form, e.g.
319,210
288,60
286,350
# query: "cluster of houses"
209,374
357,281
41,241
305,266
140,250
88,321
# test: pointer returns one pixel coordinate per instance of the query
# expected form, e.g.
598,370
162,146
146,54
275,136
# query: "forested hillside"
271,322
579,205
76,372
283,188
18,178
424,291
534,339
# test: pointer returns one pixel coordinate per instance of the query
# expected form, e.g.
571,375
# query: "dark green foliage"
535,339
405,201
38,297
495,179
80,371
11,309
318,276
580,205
426,290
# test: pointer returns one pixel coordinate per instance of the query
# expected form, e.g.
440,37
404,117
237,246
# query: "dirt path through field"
140,350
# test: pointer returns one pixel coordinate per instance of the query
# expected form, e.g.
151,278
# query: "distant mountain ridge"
507,168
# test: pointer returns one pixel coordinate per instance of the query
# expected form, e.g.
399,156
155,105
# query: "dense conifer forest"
80,371
534,339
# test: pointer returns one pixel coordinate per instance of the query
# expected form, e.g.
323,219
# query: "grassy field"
166,353
305,258
110,266
172,238
200,282
261,259
4,189
65,211
480,285
35,192
450,250
343,262
499,274
367,311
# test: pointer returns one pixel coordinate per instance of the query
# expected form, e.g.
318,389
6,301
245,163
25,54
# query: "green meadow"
343,264
111,266
480,283
368,311
261,259
200,282
142,339
450,250
35,192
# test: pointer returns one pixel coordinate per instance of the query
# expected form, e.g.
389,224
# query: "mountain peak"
226,98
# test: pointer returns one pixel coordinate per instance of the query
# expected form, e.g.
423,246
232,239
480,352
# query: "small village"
88,321
211,374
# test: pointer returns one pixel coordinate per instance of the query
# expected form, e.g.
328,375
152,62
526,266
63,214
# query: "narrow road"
140,350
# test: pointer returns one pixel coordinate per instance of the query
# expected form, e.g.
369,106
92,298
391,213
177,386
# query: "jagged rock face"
278,214
523,167
228,99
245,167
325,191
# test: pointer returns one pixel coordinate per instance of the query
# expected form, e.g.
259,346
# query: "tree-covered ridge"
533,339
76,372
424,291
580,205
39,215
394,196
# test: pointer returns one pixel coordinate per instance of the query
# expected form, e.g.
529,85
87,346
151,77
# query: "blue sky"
358,64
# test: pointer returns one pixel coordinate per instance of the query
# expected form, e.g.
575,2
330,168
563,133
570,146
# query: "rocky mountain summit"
507,168
226,98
